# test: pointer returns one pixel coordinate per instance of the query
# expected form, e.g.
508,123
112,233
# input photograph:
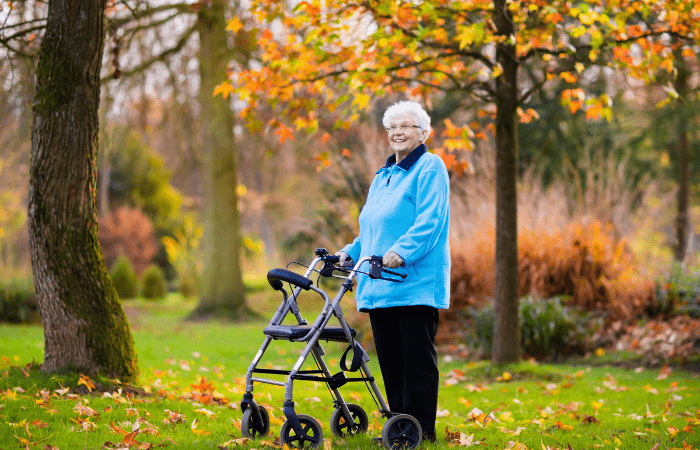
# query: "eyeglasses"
401,127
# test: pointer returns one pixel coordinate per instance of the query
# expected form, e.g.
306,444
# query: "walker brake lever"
403,276
376,268
329,262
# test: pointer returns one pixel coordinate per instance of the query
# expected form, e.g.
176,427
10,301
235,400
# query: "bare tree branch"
161,57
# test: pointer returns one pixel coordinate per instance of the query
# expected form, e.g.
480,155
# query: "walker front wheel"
311,435
251,427
401,431
340,425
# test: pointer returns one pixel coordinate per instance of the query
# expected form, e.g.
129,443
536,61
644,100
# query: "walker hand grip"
276,276
376,268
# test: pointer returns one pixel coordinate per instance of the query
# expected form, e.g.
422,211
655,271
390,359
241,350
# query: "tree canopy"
335,56
338,55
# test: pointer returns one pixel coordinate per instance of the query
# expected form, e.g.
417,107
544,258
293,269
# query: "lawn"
193,377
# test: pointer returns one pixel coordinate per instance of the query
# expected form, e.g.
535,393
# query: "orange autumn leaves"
140,425
556,420
336,56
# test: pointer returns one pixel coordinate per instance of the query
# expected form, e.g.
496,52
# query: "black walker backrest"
276,276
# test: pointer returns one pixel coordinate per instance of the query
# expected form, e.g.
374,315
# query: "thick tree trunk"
506,344
681,86
222,292
85,328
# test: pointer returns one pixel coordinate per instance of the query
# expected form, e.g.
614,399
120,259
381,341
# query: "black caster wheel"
341,427
401,432
250,427
311,435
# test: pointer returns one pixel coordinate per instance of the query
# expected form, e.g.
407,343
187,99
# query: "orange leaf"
284,133
234,25
194,429
129,438
117,430
562,426
84,380
39,424
224,89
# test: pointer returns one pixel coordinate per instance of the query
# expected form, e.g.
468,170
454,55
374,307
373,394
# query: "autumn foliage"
129,232
587,262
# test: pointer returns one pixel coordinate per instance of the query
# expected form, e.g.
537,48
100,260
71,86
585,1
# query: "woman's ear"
423,136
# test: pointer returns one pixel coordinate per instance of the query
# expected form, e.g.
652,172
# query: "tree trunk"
681,86
222,291
506,344
85,328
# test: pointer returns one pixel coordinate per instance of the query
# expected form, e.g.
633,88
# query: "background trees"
589,116
339,55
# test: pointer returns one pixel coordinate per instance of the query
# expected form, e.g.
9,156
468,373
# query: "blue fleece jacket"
407,212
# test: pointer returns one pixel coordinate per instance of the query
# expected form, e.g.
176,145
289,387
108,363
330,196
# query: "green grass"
532,405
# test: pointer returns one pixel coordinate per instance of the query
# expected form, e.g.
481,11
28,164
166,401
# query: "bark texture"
682,222
85,328
222,292
506,345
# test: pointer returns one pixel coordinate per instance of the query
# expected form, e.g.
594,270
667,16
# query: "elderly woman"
406,219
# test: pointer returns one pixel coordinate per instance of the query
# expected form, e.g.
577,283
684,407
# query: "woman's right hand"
344,259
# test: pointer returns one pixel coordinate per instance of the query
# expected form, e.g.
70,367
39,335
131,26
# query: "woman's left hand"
391,260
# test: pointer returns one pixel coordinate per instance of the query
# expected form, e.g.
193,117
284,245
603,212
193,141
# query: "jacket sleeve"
353,249
432,206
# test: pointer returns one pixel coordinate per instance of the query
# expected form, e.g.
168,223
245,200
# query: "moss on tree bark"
222,293
85,327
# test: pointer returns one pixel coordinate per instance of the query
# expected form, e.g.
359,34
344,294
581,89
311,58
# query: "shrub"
128,232
589,263
679,292
188,282
124,277
18,300
548,329
153,284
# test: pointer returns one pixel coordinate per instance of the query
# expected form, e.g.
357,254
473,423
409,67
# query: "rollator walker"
299,430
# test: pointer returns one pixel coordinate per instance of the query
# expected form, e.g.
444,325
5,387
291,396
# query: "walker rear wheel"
310,437
251,427
402,432
340,425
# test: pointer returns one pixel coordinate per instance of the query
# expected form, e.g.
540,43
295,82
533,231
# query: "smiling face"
405,135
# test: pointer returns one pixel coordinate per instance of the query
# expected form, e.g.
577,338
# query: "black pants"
404,337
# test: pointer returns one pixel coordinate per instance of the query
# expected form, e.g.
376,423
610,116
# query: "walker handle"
376,268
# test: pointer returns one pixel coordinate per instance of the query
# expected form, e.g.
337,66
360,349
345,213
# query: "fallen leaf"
62,391
205,412
234,442
117,430
87,382
458,438
563,426
193,428
84,410
39,424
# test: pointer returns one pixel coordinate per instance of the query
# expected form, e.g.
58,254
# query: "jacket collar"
409,160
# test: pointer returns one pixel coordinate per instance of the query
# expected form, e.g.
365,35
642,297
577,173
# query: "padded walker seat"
293,332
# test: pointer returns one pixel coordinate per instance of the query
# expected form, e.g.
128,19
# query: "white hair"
407,108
